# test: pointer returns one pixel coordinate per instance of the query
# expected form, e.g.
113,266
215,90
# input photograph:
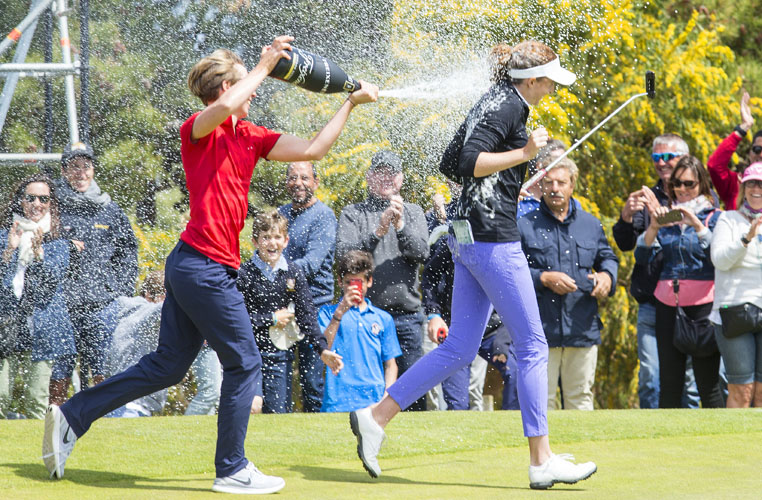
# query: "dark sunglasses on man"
665,157
756,149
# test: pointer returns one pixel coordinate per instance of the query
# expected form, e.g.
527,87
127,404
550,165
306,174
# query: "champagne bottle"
314,73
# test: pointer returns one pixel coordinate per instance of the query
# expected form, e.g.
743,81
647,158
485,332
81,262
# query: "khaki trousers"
576,366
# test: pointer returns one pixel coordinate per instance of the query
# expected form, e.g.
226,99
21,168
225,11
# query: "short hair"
549,152
675,141
527,54
693,164
314,169
758,133
266,221
569,165
206,76
355,262
153,284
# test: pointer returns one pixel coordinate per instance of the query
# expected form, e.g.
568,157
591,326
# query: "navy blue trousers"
202,303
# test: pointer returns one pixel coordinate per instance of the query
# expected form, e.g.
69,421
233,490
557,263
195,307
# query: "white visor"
552,70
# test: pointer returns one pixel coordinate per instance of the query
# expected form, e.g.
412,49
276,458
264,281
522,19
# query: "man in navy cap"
105,266
395,233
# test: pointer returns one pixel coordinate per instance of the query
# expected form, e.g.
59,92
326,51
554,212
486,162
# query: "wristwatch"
745,240
740,131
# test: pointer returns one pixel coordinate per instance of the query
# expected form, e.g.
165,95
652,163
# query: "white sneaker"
58,441
559,469
248,481
370,437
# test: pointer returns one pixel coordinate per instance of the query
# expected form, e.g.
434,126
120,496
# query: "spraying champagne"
314,73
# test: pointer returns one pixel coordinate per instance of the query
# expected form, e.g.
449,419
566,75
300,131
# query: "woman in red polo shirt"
219,152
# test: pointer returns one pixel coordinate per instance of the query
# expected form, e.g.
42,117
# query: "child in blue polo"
363,335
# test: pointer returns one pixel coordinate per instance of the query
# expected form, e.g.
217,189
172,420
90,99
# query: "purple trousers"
488,274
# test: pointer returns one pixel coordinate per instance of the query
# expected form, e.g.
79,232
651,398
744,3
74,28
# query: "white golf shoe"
58,441
559,469
248,481
370,437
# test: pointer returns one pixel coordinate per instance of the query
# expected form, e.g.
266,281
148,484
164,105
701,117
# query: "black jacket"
263,297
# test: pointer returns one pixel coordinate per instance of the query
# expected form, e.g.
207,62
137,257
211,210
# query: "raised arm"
235,95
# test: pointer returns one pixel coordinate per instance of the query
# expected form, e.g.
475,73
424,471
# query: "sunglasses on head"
688,184
44,198
665,157
756,149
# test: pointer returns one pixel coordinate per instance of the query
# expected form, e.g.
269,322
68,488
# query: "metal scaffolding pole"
12,80
23,34
71,102
16,32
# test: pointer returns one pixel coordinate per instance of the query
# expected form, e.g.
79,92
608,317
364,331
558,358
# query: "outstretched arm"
292,148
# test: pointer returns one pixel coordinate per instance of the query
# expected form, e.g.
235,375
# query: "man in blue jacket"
572,267
104,264
311,241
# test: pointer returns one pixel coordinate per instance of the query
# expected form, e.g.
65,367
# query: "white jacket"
738,269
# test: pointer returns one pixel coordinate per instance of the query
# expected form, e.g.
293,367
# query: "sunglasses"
665,157
688,184
756,149
44,198
753,183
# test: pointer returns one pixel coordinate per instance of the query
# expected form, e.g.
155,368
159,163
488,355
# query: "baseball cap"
74,150
752,172
386,159
552,70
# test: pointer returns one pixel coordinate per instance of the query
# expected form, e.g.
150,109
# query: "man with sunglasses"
667,151
725,180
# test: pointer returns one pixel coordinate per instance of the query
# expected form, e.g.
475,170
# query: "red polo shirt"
218,171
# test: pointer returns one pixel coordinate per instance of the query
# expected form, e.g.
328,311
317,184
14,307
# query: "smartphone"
671,216
356,283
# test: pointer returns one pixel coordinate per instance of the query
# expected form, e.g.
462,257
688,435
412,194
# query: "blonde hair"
267,221
206,76
527,54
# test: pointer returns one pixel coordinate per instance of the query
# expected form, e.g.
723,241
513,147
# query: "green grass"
640,454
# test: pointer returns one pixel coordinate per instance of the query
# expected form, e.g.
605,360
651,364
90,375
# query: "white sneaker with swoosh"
58,442
248,481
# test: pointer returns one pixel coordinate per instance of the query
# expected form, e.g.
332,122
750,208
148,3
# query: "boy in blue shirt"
363,335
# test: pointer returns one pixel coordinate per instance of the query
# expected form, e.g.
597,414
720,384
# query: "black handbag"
694,337
740,319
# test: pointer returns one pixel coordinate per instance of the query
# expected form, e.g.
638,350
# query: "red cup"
356,283
441,334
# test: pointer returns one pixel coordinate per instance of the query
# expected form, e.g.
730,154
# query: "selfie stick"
650,92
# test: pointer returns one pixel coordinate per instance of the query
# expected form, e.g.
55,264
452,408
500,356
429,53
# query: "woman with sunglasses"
726,181
737,257
684,246
35,322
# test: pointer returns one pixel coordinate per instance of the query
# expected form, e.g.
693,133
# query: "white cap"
552,70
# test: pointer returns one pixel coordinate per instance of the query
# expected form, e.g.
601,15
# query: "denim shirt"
575,246
686,255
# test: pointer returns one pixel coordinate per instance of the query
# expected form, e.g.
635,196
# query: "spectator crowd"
68,273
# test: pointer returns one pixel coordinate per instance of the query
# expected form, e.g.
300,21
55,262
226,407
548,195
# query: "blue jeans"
208,373
648,355
276,381
409,335
202,303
